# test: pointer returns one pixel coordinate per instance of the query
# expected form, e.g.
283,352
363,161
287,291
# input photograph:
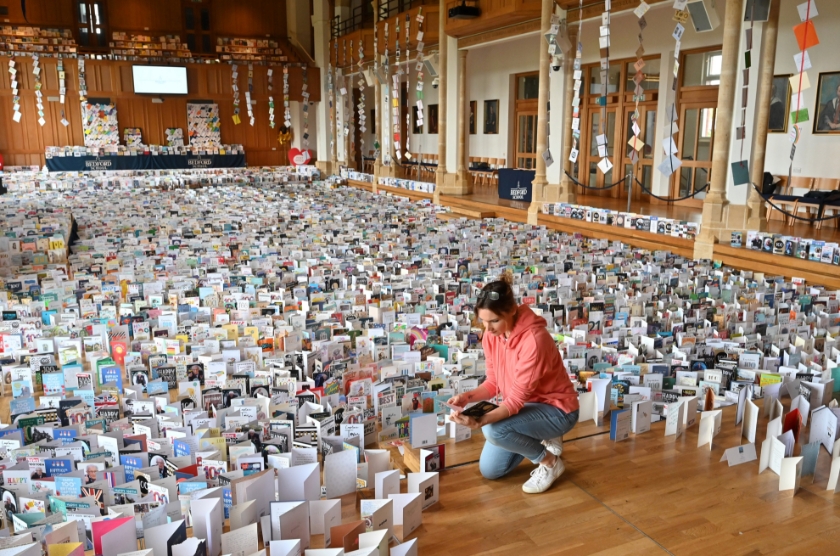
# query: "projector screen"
160,80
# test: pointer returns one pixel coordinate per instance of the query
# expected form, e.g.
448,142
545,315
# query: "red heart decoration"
298,157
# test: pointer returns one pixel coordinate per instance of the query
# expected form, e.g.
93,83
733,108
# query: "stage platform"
485,203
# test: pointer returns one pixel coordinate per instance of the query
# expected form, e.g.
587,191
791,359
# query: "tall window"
92,23
197,26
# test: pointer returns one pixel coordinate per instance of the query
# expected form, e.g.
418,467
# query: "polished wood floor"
650,494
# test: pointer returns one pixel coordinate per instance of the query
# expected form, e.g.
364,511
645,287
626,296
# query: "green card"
799,116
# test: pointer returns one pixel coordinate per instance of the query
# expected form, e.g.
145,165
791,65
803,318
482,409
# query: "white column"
321,112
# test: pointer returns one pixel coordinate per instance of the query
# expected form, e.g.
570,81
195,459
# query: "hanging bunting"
234,74
39,96
395,97
304,94
419,67
15,92
287,110
578,82
555,52
806,37
331,100
62,81
270,75
386,94
740,168
377,147
82,81
672,162
636,143
248,94
407,84
605,165
350,126
347,114
361,105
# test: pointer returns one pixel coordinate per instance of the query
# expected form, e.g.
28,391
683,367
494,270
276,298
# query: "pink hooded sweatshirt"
527,367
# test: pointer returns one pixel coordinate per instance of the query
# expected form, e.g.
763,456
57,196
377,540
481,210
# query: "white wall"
816,155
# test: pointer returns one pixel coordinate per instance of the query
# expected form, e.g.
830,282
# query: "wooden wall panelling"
24,143
249,18
430,27
41,13
494,14
152,17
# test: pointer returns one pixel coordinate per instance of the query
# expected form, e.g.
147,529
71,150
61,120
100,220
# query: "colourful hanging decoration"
361,105
270,76
578,82
248,94
636,143
419,66
234,75
672,162
407,84
39,96
395,97
304,93
15,92
806,37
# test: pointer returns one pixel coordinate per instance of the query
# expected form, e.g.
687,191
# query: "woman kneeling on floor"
525,371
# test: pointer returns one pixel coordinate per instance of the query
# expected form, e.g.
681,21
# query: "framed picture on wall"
414,127
473,108
491,116
779,104
433,118
828,104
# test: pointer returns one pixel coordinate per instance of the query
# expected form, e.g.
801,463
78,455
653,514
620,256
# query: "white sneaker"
543,477
554,445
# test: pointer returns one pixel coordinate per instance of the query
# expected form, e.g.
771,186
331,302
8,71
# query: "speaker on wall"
431,63
704,15
762,10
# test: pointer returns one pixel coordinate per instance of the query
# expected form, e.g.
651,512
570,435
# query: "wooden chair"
480,174
493,176
791,193
818,184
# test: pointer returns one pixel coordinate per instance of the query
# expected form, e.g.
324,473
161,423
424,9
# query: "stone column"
462,180
440,175
716,205
325,138
567,192
756,214
540,181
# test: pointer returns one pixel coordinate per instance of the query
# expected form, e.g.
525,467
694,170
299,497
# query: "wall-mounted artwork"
491,116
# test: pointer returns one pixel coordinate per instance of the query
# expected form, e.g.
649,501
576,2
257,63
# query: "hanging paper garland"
740,169
287,109
636,142
407,84
15,93
331,99
361,105
62,83
578,77
347,115
234,73
605,165
39,97
82,81
270,75
248,94
377,147
305,100
553,32
672,162
418,91
395,97
386,95
806,37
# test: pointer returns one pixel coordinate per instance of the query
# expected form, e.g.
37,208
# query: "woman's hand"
465,421
461,400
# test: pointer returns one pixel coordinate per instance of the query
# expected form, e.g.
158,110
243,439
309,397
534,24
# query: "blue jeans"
518,437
